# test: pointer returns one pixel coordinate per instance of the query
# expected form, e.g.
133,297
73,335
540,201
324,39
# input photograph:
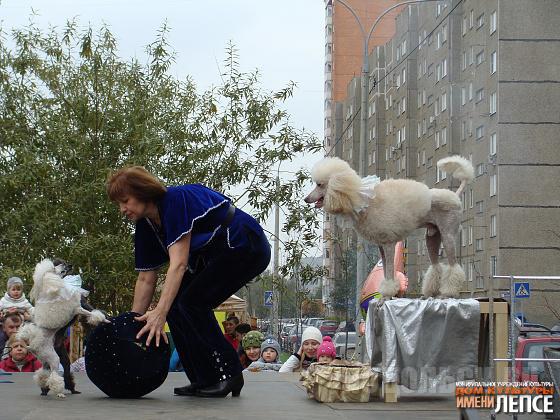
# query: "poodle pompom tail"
96,317
458,166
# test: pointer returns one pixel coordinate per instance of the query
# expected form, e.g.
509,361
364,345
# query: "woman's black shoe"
223,388
186,391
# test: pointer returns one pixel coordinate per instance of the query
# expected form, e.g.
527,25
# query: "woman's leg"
207,356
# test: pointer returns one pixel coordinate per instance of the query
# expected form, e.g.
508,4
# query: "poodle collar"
367,192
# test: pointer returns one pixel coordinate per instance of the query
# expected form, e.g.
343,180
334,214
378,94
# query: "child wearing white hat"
310,341
15,301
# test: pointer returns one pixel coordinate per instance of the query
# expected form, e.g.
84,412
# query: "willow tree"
72,110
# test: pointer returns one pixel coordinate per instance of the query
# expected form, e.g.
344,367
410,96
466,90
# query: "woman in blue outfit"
213,250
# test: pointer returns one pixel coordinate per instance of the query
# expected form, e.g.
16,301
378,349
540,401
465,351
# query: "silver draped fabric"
424,343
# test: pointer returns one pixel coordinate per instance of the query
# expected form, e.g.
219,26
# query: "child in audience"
252,347
19,359
326,352
270,354
307,353
14,300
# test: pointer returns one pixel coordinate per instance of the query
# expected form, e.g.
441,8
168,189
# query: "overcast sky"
283,39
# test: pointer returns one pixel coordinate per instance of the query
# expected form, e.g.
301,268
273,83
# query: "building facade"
343,61
477,78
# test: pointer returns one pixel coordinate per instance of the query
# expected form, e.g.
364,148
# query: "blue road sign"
268,298
522,290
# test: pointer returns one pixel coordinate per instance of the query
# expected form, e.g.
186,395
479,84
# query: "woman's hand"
155,323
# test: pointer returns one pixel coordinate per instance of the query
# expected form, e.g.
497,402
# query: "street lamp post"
361,262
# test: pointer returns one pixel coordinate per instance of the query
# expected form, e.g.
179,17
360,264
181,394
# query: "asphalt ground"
265,396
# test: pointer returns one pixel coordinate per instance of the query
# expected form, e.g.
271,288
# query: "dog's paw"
60,395
389,288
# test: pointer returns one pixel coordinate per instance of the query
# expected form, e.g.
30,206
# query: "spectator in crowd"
252,347
311,339
240,332
326,352
229,330
270,357
19,358
14,301
11,324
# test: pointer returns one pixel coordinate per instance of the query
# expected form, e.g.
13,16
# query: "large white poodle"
56,304
385,212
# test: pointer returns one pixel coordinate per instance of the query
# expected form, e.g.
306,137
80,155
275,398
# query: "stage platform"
265,396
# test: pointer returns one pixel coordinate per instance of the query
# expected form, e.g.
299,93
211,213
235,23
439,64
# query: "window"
444,136
419,99
437,140
493,265
478,245
471,19
479,132
480,21
430,69
493,22
463,236
429,162
480,58
444,68
438,72
403,131
439,41
398,81
444,34
464,200
328,67
470,91
480,169
470,235
424,126
329,29
493,103
479,207
493,226
463,130
424,97
492,144
471,56
471,198
418,160
464,26
403,75
423,157
387,156
479,282
463,96
437,107
493,185
403,47
439,8
493,62
440,175
479,95
464,61
443,101
419,130
403,105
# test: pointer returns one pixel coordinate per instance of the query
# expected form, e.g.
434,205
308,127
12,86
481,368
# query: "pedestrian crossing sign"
522,290
268,298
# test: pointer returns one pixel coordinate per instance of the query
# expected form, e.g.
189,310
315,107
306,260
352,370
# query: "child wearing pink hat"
326,352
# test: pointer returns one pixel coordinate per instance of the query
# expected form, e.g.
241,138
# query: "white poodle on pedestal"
386,212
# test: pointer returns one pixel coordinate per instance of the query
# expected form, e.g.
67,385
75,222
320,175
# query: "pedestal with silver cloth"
421,344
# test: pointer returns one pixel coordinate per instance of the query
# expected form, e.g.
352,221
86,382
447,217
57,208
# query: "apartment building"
343,61
477,78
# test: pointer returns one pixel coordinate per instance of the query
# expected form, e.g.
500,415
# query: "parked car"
530,343
294,338
327,327
346,326
312,322
284,334
345,349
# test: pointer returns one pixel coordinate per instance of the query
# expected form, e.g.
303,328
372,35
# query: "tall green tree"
71,110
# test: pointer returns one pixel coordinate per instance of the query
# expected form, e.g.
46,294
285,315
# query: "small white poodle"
56,304
386,212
